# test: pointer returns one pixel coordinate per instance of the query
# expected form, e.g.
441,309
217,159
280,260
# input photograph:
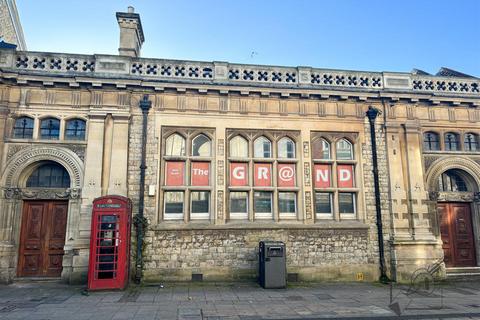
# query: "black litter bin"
272,264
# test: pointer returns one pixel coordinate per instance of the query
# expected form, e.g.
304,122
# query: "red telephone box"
110,243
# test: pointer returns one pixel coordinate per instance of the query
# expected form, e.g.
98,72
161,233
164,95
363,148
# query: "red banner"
345,176
263,174
322,176
238,174
174,173
286,175
200,173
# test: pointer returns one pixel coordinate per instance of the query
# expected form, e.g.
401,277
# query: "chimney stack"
131,33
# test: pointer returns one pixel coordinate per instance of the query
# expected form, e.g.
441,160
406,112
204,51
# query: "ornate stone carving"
220,204
306,173
308,204
78,149
13,149
455,196
445,163
27,156
33,194
221,147
220,171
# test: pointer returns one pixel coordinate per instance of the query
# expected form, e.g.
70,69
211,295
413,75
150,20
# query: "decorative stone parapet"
162,70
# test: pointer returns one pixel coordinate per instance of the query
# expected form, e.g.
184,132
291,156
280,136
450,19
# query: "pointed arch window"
321,149
238,147
175,145
201,146
431,141
50,175
75,129
344,150
262,148
451,141
286,148
50,129
470,142
23,128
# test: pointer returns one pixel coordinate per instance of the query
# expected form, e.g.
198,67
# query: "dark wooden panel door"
42,238
457,234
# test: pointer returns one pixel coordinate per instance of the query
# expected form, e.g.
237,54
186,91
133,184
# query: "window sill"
259,225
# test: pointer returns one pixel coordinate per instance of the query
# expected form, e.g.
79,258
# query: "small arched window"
23,128
201,146
175,145
238,147
50,175
262,148
450,180
470,142
431,141
75,129
321,149
286,148
50,128
451,141
344,150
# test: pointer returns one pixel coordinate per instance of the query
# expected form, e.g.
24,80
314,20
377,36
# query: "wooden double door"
42,238
456,230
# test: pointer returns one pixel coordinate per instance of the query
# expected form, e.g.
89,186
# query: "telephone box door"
109,243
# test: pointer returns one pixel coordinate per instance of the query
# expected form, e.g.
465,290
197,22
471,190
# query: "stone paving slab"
240,301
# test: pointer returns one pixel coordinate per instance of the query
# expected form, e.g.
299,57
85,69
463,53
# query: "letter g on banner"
238,174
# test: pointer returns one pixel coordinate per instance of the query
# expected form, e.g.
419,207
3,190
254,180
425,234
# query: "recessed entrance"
457,234
42,238
43,227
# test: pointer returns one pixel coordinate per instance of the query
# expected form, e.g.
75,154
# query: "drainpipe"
372,114
145,105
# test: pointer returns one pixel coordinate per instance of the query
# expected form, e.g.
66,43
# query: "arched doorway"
43,222
454,204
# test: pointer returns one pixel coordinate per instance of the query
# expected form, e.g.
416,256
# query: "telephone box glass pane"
107,247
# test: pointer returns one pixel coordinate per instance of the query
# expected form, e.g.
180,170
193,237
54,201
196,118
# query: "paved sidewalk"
193,301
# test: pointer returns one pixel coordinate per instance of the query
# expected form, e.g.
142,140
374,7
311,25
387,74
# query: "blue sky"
373,35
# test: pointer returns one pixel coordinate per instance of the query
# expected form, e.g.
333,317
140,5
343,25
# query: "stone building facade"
236,154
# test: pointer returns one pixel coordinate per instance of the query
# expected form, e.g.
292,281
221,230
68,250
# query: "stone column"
305,175
218,176
396,158
119,156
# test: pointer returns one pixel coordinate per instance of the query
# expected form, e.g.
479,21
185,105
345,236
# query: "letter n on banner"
263,174
286,175
322,176
238,174
174,173
345,176
200,173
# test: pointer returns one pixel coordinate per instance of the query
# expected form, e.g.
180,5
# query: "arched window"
450,180
201,146
50,129
50,175
470,142
175,145
286,148
431,141
451,141
23,128
321,149
344,150
238,147
75,129
262,148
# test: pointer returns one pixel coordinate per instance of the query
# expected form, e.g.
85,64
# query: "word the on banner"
200,173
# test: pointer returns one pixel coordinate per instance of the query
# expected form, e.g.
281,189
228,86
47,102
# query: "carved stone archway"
469,168
13,192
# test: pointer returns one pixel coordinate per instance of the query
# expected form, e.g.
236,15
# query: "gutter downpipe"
372,114
139,221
